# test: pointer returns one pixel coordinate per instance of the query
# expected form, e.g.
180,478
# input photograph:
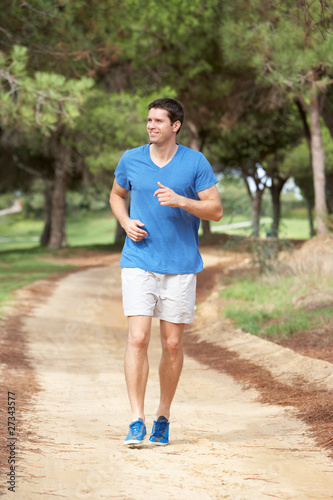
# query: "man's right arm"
119,208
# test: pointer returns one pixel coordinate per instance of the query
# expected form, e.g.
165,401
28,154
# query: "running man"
172,187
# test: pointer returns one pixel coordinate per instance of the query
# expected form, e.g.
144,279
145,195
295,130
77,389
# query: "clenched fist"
166,196
134,231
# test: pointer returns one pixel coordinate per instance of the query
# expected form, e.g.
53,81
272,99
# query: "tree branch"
30,170
299,103
247,186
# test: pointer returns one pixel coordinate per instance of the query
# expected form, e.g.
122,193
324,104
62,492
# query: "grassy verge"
281,304
22,267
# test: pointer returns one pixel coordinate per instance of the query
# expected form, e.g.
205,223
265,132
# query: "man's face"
159,126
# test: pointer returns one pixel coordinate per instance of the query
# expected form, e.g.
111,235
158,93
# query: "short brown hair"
174,108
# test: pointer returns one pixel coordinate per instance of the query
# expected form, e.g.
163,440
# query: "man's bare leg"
136,363
171,364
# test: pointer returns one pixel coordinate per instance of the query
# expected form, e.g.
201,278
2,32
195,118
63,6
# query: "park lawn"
22,260
82,230
22,267
91,230
289,228
272,306
297,229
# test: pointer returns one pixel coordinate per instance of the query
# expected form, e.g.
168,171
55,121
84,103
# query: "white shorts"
170,297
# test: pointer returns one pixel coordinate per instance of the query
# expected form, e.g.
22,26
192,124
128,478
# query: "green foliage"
279,42
90,198
87,198
234,64
298,158
234,198
6,200
70,37
112,123
265,253
43,101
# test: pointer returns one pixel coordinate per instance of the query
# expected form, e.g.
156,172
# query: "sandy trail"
224,444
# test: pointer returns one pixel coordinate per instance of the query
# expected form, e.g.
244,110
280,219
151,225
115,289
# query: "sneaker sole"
134,443
158,443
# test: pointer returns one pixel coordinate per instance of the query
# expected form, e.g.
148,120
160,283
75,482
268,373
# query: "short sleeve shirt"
172,244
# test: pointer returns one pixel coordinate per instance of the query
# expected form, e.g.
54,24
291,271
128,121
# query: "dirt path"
224,443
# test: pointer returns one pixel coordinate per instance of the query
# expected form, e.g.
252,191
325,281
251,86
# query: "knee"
138,339
173,347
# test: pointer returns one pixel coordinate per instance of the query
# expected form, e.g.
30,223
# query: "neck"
164,152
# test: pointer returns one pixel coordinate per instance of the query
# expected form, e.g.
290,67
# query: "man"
171,187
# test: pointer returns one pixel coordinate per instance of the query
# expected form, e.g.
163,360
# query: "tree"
254,147
45,104
68,37
298,161
278,179
288,47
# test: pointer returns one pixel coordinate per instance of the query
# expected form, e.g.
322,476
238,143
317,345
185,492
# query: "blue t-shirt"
172,244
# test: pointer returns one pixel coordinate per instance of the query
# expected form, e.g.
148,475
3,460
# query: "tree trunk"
206,228
307,131
58,217
276,188
318,164
194,135
306,191
327,114
310,217
195,144
48,195
256,209
120,232
255,205
329,185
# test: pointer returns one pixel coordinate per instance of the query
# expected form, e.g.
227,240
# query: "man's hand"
166,196
133,231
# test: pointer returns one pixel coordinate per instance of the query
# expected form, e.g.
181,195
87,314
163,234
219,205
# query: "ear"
176,126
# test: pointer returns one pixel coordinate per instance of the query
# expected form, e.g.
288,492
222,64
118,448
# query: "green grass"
289,228
82,230
22,267
265,307
297,229
88,230
21,258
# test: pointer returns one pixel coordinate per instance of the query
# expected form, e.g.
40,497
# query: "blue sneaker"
160,432
136,434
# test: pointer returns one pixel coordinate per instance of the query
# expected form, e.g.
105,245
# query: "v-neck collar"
169,162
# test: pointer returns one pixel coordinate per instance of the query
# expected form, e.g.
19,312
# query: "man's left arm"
208,207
